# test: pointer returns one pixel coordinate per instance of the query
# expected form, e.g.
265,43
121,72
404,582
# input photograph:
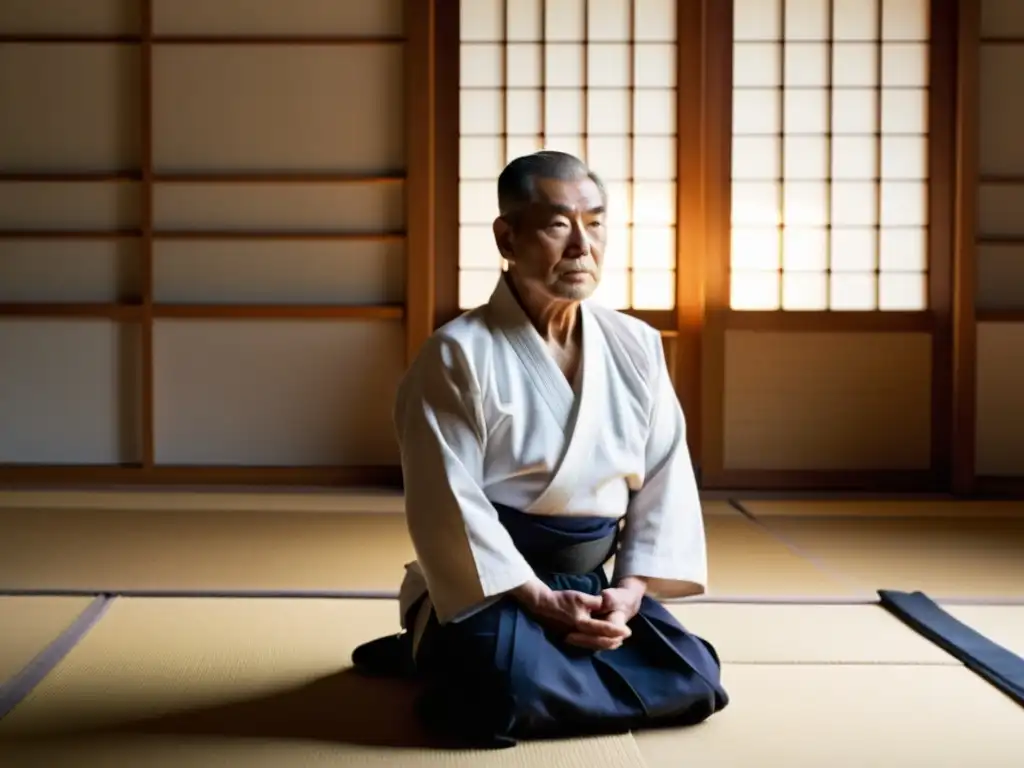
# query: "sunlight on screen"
755,290
600,85
654,289
613,291
476,286
830,155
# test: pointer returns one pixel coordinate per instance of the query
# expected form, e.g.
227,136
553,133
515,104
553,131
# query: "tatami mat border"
14,690
357,594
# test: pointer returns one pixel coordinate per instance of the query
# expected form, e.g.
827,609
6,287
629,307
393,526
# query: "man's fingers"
592,602
602,628
617,600
593,642
616,617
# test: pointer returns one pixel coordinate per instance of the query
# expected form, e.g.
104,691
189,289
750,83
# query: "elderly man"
541,439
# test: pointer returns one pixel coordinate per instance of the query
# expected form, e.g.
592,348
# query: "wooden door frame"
694,331
695,334
950,403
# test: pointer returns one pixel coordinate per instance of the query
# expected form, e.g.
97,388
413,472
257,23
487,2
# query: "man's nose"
579,241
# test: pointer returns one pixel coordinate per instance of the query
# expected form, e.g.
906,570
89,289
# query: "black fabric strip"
14,691
993,662
582,557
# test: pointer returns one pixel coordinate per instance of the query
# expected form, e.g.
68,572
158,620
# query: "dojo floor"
166,675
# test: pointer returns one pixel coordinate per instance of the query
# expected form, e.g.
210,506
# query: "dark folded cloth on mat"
993,662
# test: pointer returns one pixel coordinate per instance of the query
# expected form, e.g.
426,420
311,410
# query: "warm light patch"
595,78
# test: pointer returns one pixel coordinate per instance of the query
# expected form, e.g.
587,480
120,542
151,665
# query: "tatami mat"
884,508
808,634
744,560
29,624
155,549
161,655
190,549
244,682
265,682
849,717
943,556
132,751
265,500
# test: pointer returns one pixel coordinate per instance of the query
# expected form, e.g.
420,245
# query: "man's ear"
504,238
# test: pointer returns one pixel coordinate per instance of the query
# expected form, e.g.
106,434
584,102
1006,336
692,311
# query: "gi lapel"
581,434
579,417
541,368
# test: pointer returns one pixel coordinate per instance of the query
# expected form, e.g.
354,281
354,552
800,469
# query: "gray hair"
516,184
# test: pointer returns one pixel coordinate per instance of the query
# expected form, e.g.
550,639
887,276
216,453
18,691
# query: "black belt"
994,663
582,557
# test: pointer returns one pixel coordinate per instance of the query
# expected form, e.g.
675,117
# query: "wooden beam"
1002,179
278,177
717,32
117,312
420,131
70,177
204,177
69,234
350,237
9,38
865,480
942,106
199,234
283,40
827,321
999,316
147,427
986,486
965,222
130,312
690,253
12,475
446,159
661,319
983,240
278,312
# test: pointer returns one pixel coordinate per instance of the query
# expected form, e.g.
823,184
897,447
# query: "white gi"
485,415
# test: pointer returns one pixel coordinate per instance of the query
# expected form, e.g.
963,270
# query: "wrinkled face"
556,246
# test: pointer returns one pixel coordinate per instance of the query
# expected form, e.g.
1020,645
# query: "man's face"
558,244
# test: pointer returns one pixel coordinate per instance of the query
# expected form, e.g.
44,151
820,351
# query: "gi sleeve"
464,552
663,539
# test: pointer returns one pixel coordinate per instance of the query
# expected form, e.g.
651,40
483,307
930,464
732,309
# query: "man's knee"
465,647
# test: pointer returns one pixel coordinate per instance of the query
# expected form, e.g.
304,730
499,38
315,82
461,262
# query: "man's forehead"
579,195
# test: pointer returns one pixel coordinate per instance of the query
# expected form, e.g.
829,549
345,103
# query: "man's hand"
618,607
624,599
573,613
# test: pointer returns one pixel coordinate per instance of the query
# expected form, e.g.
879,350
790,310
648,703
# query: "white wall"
238,391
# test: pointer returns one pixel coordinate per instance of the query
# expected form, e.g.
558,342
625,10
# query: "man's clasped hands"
598,622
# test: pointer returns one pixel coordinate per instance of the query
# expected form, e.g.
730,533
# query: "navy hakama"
499,676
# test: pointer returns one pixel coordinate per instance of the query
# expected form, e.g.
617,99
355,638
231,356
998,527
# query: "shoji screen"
830,155
596,78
